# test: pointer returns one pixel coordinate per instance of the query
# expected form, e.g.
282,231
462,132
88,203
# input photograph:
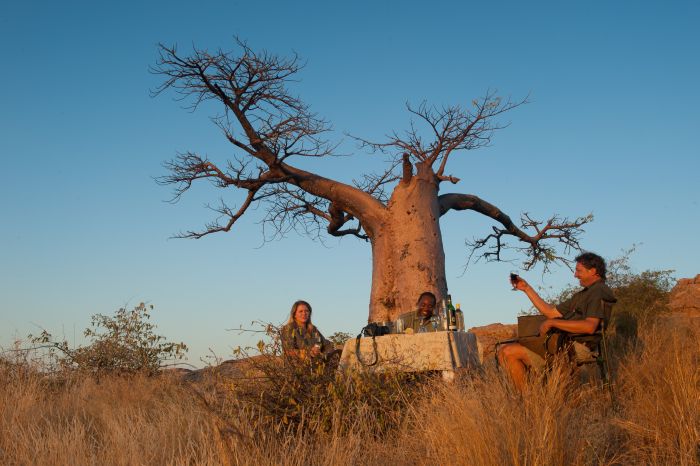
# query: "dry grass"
660,399
116,421
484,422
479,420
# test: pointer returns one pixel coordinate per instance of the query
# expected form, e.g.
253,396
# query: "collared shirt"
589,302
416,322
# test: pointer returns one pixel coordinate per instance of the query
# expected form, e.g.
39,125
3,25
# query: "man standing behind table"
581,313
419,320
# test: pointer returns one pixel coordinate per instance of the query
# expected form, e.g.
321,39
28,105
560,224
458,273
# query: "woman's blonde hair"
309,325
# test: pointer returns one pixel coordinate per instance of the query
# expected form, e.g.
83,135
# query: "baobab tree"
397,211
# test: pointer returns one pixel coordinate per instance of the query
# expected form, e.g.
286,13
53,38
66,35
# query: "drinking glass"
435,321
514,279
399,325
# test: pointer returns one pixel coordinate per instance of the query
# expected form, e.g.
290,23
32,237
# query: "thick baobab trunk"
407,252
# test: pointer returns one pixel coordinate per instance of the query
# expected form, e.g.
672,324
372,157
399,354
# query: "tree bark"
407,251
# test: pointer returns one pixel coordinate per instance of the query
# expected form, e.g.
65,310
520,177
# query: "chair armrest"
510,340
584,337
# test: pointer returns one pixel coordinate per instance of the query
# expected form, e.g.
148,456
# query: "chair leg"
605,371
604,361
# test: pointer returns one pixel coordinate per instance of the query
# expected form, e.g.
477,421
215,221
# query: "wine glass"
514,278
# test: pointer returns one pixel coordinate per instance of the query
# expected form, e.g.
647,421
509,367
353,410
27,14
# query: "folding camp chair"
596,342
557,340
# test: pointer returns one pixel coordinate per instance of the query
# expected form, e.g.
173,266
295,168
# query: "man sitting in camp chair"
584,313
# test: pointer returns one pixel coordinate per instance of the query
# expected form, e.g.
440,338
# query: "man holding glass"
581,314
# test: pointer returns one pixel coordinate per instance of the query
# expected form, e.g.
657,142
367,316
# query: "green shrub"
122,343
641,297
287,392
339,338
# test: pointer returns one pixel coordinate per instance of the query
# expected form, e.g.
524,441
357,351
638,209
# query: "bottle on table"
460,318
399,325
451,315
444,320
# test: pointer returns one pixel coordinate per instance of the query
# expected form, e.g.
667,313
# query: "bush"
290,393
641,297
339,338
122,343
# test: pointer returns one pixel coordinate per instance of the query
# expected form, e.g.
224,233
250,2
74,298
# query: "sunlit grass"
69,418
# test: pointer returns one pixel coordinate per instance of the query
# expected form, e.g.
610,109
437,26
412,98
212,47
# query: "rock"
230,369
685,296
176,372
684,304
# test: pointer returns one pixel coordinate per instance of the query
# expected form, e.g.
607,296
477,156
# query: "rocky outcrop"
684,304
685,296
231,369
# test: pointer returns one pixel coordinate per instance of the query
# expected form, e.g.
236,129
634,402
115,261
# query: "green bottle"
451,314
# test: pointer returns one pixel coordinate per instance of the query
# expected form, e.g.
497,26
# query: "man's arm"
539,303
586,326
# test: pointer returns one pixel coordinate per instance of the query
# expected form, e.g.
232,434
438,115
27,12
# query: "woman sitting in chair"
300,337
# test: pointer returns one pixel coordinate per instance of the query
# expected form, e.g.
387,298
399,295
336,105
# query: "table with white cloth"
445,351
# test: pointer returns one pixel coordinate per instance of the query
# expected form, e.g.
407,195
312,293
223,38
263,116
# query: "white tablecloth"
444,351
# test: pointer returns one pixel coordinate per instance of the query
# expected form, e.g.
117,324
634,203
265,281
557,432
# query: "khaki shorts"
581,351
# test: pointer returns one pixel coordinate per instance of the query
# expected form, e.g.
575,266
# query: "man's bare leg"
515,360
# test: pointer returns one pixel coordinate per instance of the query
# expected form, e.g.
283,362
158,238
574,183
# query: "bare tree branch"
375,184
340,218
536,248
406,169
449,129
261,118
224,211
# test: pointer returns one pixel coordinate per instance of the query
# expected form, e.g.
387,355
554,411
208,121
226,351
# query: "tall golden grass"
478,420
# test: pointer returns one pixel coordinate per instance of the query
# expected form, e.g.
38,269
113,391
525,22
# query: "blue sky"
611,129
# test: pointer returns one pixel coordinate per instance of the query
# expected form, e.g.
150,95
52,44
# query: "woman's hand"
315,350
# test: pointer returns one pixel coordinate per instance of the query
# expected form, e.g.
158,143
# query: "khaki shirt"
589,302
294,337
416,322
